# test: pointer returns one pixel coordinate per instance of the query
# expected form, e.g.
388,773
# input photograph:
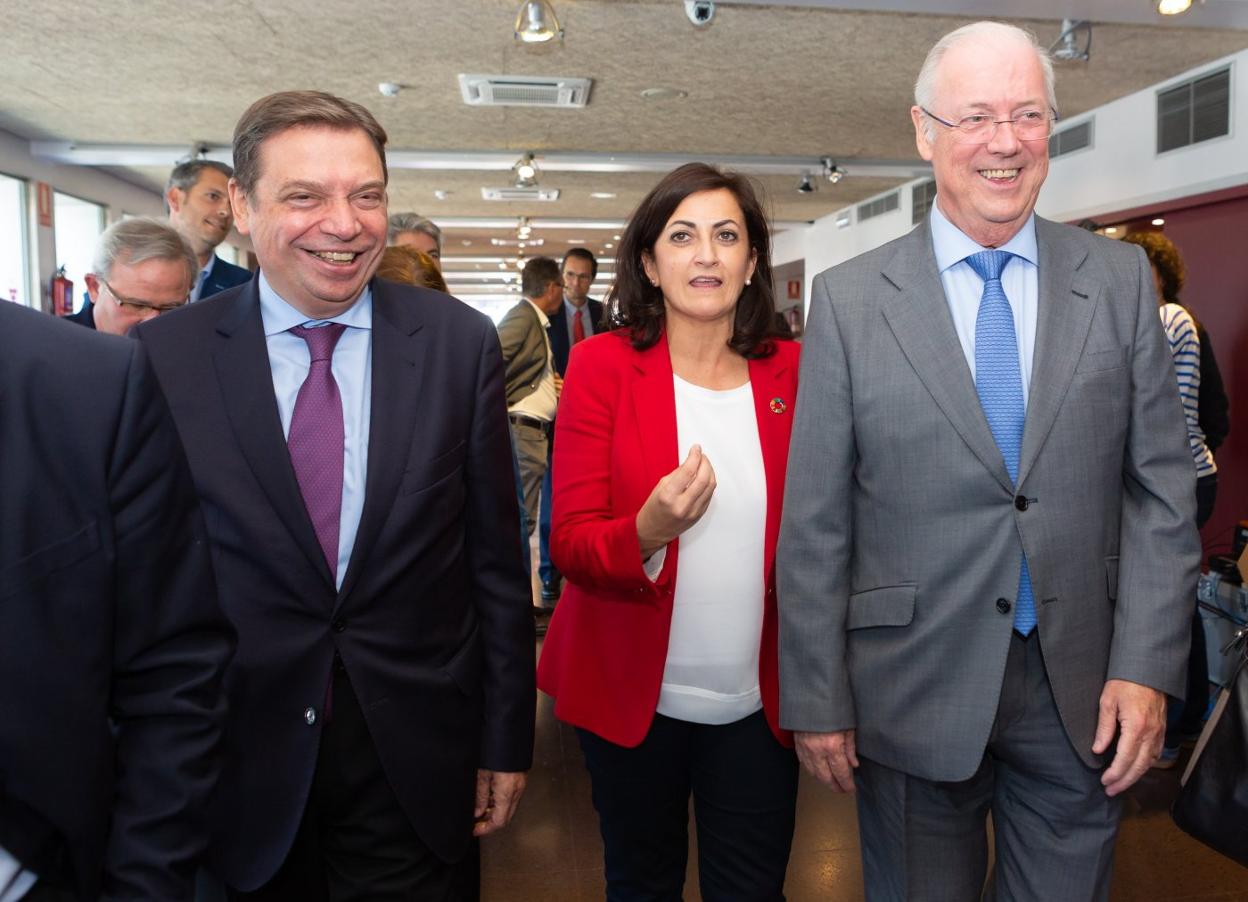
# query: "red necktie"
578,326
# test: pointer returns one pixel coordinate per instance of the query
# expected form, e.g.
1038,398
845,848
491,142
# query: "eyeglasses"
979,128
577,277
143,306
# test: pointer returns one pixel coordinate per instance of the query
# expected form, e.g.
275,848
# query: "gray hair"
925,85
186,174
412,222
138,239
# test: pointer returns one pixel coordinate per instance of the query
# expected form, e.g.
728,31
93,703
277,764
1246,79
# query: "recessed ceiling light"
602,195
1159,221
441,194
608,245
663,94
466,242
1112,230
1173,7
502,266
618,237
576,241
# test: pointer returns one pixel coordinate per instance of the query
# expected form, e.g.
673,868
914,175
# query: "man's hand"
498,794
677,502
1138,715
558,385
830,758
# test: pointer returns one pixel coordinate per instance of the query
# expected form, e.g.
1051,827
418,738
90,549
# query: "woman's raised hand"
677,502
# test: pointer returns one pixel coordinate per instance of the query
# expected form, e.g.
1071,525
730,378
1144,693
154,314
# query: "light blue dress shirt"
202,278
963,287
15,882
586,319
352,367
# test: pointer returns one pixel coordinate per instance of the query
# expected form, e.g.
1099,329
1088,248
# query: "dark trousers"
355,842
1187,718
546,567
744,786
1054,827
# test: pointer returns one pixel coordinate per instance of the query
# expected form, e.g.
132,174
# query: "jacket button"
309,715
1021,502
1003,605
339,625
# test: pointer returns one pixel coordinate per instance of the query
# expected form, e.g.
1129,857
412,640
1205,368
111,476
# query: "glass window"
78,224
14,271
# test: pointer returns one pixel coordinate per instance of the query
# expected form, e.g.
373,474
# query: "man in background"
142,268
199,208
414,230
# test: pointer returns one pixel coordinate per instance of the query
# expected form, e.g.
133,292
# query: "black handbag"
1212,805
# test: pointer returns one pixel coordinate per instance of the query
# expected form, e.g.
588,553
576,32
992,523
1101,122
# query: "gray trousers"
1054,827
531,456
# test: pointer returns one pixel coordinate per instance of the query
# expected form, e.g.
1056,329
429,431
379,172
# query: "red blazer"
615,438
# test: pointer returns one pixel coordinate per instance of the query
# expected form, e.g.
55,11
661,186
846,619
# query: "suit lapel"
918,315
774,425
654,404
241,360
398,378
1066,304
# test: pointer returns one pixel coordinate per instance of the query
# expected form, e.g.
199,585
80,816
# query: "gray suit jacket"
901,530
523,339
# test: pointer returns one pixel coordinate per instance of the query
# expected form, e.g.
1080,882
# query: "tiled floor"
552,850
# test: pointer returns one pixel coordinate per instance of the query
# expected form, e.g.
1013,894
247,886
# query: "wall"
117,195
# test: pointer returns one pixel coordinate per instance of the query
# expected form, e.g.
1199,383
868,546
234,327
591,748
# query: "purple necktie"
316,439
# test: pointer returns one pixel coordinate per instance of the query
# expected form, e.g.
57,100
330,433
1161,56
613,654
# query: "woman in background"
411,267
670,453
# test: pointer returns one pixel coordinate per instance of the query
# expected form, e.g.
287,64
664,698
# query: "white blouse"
711,675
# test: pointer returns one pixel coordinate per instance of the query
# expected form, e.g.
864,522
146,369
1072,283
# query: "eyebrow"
694,225
304,185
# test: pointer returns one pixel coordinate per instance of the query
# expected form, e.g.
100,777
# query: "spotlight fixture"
1173,7
525,172
536,23
805,185
831,171
1074,44
389,89
1159,221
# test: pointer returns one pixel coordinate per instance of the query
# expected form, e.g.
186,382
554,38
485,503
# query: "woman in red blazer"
670,454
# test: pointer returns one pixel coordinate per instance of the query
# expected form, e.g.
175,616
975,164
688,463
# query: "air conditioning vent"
1068,140
1194,111
524,90
541,195
879,206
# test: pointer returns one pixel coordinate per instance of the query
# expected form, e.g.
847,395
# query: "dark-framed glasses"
142,306
979,128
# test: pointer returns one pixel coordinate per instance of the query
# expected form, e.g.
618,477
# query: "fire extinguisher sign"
43,194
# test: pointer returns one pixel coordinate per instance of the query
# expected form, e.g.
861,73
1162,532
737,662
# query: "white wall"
1120,171
117,196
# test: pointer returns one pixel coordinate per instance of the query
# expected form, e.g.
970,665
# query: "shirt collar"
541,314
951,245
207,270
572,308
278,316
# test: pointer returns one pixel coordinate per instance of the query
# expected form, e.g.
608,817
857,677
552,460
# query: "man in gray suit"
988,546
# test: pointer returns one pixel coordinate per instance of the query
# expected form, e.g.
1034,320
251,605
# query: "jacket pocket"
430,472
46,560
1111,577
884,606
464,667
1096,361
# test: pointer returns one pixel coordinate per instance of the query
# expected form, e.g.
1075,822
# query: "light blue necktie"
999,383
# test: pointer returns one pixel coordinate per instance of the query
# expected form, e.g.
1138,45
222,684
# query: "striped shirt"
1185,349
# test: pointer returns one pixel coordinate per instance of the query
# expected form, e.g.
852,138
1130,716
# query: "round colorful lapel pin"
778,406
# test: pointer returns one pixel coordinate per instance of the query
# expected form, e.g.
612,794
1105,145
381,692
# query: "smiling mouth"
706,282
338,258
999,175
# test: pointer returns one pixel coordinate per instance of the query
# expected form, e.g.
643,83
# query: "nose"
707,253
340,220
1004,141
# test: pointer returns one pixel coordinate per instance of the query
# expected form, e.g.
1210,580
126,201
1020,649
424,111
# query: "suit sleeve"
502,594
171,646
589,543
511,334
1159,548
816,540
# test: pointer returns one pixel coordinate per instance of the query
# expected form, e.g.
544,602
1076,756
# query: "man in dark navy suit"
349,440
580,317
112,648
198,200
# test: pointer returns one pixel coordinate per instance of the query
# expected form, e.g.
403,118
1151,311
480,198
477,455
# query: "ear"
647,263
920,134
93,287
173,197
753,264
238,204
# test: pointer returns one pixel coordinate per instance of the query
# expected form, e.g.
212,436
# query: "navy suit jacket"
85,316
560,345
112,647
433,619
224,275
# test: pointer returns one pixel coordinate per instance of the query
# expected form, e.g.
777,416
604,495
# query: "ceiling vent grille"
1194,111
879,206
1068,140
541,195
524,90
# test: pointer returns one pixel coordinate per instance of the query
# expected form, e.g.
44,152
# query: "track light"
831,171
536,23
525,172
1173,7
805,185
1074,44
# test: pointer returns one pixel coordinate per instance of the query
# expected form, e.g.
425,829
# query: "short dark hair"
274,114
185,175
1166,259
638,304
537,276
582,253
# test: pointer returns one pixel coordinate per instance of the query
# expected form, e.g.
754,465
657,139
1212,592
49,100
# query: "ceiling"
764,79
